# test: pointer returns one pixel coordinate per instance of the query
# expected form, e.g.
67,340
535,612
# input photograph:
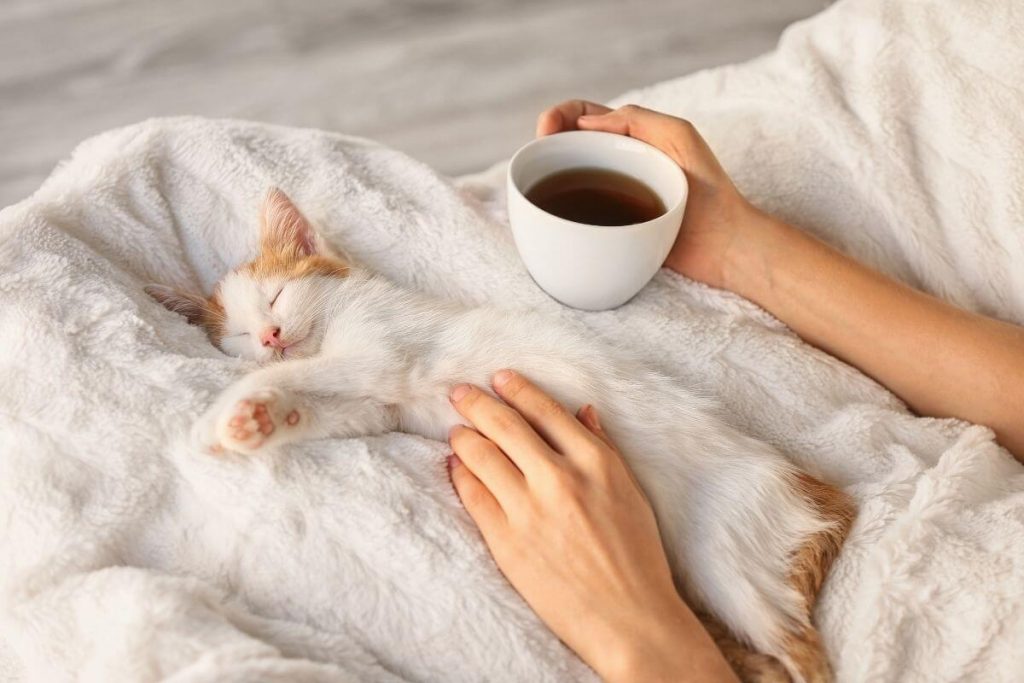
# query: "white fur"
380,358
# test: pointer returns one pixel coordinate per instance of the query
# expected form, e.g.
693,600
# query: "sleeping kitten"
346,353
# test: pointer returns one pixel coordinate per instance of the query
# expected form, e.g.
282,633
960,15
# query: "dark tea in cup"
596,196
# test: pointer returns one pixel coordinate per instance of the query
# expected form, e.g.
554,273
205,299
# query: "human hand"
570,528
716,213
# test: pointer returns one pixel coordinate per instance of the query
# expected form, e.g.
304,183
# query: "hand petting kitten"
560,511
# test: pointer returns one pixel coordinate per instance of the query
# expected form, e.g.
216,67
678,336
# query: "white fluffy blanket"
892,129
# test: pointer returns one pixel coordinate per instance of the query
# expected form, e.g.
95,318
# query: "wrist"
671,646
645,650
748,267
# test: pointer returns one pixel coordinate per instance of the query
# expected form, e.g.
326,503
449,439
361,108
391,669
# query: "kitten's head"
272,307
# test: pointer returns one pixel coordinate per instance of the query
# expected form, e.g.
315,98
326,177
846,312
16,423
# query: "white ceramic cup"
593,267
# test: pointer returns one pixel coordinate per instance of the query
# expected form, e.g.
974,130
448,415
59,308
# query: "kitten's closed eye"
272,301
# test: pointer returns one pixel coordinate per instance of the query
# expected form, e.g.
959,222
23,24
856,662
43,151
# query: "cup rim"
600,133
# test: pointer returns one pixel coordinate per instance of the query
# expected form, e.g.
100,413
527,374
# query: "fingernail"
502,377
459,392
453,461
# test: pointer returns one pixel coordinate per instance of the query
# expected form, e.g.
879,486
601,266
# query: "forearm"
941,360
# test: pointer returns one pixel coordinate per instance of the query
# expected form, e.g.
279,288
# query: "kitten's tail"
802,657
748,664
804,654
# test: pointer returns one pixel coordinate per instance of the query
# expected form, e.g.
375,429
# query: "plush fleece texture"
891,129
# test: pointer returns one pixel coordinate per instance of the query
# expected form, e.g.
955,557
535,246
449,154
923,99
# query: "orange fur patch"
292,265
814,559
749,665
809,568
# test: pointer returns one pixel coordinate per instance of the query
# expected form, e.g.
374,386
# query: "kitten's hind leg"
798,646
753,543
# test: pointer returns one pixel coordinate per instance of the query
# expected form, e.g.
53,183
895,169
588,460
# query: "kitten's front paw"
261,418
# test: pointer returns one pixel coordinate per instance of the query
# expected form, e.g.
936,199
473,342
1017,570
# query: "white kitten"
346,353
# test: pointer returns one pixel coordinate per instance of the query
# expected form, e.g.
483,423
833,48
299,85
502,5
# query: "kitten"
346,353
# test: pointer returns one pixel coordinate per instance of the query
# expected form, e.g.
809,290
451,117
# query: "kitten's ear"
193,307
284,230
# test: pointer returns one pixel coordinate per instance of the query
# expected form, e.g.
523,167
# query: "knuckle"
474,495
505,420
488,455
471,398
685,127
514,386
545,469
596,452
471,446
604,472
566,482
630,108
460,434
574,501
549,407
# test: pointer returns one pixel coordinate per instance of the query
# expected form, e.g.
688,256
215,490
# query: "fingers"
548,417
505,427
562,117
488,464
674,136
479,502
632,120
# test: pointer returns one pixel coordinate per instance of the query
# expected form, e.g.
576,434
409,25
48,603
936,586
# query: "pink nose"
272,337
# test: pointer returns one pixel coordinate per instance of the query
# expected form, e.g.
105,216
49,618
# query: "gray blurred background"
456,83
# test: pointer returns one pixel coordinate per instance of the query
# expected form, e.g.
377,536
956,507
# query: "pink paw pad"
252,421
